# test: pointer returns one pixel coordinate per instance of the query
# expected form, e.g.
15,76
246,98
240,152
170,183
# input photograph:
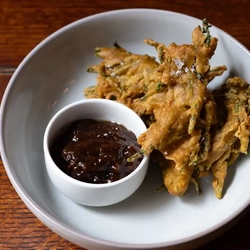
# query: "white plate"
54,75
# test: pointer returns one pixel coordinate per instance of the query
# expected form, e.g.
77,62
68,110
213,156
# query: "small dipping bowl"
92,194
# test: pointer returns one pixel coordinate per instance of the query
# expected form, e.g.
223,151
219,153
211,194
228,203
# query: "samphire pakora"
192,131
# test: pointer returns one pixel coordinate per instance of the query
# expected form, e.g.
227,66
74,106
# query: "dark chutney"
95,151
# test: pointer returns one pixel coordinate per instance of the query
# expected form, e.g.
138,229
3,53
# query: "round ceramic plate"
54,75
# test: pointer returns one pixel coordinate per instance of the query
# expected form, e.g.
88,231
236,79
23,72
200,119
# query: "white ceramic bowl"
54,75
88,193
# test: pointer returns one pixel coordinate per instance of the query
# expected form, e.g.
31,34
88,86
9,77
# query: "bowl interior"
54,75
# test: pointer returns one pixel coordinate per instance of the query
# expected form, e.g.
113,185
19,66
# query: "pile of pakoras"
191,130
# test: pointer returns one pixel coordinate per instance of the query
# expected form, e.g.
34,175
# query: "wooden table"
23,24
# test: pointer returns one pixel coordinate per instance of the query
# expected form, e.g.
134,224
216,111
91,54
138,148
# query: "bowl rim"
66,177
54,223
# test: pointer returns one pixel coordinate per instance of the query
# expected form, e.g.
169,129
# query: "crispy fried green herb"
143,98
206,31
97,50
145,88
135,156
197,185
191,87
91,70
104,74
193,117
197,74
237,108
152,118
161,54
159,86
116,45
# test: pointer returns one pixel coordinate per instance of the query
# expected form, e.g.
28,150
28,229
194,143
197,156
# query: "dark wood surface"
25,23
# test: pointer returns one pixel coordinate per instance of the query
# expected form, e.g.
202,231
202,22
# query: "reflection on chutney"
95,151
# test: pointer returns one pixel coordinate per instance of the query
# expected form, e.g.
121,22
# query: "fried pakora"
194,130
230,135
122,76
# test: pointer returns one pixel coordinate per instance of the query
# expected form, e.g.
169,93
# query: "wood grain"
4,79
23,24
19,228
